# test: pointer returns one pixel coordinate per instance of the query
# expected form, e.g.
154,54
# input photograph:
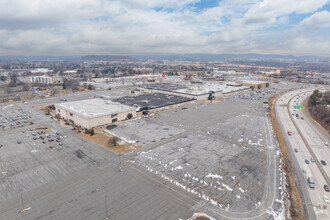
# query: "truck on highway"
308,176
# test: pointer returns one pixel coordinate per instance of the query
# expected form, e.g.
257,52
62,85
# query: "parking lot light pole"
106,208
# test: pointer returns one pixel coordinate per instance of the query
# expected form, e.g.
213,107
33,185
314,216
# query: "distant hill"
37,58
170,57
225,57
106,58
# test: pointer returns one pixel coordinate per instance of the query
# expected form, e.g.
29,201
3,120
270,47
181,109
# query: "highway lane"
296,141
313,137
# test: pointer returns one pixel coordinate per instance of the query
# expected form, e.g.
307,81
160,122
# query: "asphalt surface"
314,137
231,138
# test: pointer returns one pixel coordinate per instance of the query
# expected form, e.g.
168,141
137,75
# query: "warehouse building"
255,84
94,112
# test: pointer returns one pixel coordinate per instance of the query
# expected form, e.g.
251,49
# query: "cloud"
267,11
77,27
319,20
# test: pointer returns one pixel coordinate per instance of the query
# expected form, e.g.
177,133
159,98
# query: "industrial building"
93,112
43,79
255,84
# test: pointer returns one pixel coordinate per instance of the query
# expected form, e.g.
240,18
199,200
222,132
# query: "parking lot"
222,155
39,153
12,116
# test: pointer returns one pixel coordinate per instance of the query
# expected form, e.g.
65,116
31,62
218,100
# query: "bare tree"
113,140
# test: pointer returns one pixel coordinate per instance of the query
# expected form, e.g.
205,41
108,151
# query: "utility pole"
120,167
106,208
2,171
24,209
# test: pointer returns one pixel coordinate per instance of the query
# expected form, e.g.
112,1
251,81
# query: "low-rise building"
94,112
43,79
255,84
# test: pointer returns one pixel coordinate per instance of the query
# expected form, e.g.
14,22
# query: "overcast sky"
81,27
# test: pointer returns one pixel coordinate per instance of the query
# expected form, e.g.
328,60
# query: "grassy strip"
296,204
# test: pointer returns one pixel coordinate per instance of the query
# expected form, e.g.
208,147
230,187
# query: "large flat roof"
253,81
92,108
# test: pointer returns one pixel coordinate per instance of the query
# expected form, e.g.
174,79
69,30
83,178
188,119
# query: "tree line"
318,105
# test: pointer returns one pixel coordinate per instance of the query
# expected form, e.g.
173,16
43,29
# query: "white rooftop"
92,108
253,82
205,88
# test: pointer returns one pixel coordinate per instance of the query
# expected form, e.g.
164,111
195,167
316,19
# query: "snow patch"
214,176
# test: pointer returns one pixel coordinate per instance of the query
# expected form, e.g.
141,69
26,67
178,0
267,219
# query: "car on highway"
312,160
296,150
289,133
307,161
326,143
326,188
323,162
325,198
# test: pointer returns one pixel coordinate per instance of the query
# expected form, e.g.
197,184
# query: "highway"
309,142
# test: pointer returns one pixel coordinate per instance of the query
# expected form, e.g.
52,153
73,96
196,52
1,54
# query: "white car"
325,198
326,143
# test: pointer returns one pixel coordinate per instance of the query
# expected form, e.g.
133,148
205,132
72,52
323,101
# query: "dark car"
295,150
50,147
19,142
35,138
323,162
307,161
326,188
44,142
60,144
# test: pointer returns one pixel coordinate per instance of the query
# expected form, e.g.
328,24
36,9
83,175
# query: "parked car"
326,143
60,144
307,161
326,188
323,162
19,142
312,160
325,198
51,147
296,150
35,138
44,142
